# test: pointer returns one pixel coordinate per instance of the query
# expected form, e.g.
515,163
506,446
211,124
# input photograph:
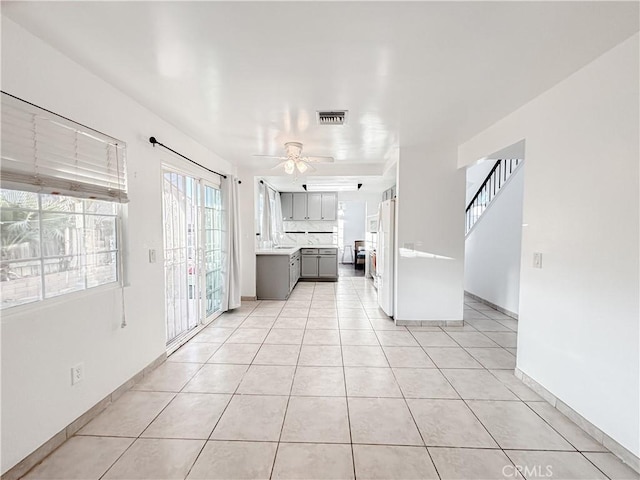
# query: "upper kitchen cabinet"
314,206
329,206
299,206
309,206
286,201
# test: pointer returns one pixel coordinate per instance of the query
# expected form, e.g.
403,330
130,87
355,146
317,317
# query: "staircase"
496,179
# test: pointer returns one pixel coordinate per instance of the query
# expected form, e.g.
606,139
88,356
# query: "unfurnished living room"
320,240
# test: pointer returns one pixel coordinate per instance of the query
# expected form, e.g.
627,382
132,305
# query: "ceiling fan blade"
271,156
279,166
317,159
307,167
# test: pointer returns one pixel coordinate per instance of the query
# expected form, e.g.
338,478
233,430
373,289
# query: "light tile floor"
325,386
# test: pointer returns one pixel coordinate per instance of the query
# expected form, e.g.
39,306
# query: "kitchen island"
279,269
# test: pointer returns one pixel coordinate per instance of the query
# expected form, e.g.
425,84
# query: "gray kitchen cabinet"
286,200
309,266
320,263
276,275
299,206
309,206
329,206
327,266
294,270
314,206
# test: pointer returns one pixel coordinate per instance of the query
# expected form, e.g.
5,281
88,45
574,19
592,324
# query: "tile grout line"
406,404
592,463
468,407
346,397
139,436
230,396
228,402
478,419
175,394
360,294
293,379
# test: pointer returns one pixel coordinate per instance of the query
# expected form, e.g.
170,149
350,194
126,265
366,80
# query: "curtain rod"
115,140
155,142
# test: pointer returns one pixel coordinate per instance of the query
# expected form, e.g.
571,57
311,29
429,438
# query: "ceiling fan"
293,162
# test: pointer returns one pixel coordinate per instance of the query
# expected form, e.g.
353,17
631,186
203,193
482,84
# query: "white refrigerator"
385,255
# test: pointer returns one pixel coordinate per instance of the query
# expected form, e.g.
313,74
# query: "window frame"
119,251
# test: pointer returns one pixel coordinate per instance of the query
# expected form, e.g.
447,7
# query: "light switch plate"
537,260
152,255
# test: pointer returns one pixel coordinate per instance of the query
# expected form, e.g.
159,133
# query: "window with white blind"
61,188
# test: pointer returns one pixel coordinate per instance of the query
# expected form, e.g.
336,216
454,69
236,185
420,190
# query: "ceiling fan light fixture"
289,167
302,166
293,149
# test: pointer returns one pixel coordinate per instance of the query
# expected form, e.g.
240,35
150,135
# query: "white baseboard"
48,447
430,323
492,305
598,435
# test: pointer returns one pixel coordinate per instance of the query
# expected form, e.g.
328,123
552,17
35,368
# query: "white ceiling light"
333,187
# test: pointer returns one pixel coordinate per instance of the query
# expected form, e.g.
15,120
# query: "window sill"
52,302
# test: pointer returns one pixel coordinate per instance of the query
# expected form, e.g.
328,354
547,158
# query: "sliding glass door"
212,250
192,252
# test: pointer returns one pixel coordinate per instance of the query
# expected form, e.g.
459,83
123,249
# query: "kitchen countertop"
291,250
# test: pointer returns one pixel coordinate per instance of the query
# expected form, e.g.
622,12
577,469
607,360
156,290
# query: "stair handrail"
494,186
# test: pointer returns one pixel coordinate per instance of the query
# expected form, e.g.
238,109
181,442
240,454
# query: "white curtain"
265,221
277,224
231,243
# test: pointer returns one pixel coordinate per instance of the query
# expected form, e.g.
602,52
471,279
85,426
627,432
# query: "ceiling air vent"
333,117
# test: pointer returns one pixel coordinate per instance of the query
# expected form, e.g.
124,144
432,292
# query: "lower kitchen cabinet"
309,266
327,266
276,275
319,263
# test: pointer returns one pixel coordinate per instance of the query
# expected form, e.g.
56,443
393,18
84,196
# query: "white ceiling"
245,77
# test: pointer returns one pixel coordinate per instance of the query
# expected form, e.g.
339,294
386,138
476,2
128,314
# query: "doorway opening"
352,216
493,244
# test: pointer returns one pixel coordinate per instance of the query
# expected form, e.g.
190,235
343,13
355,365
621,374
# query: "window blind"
46,153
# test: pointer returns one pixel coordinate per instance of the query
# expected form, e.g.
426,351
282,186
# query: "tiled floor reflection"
324,385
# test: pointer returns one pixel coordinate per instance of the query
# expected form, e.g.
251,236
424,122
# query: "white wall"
41,342
355,217
248,193
492,248
371,199
579,314
429,223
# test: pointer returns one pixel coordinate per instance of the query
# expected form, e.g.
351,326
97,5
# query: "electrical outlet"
537,260
77,373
